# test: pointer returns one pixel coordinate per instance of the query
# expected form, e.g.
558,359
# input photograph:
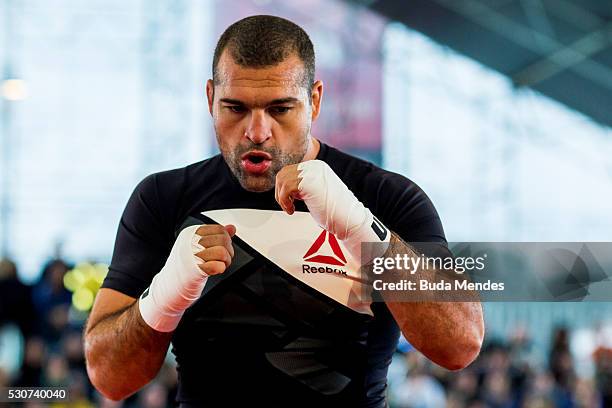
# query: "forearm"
123,353
449,332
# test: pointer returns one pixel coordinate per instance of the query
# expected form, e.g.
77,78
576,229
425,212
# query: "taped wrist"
176,286
335,208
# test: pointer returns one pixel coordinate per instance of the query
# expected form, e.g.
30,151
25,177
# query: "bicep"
108,302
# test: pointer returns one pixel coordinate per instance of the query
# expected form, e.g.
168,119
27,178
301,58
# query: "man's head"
263,98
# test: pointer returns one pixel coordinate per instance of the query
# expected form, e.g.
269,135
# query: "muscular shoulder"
370,183
163,193
173,182
168,186
395,199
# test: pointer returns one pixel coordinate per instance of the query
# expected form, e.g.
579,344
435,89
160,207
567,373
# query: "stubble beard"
266,181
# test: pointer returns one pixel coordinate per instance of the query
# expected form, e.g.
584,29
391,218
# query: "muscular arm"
122,352
449,333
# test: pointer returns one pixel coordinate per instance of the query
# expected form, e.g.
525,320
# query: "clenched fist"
217,250
198,252
332,205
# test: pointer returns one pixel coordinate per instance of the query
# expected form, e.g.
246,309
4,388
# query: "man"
260,335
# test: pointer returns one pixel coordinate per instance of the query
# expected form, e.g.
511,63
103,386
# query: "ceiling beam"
566,57
574,14
527,38
537,17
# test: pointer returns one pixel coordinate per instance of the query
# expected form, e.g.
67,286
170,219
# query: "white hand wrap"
335,208
176,286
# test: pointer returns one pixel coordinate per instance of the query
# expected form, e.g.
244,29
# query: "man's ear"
210,94
316,96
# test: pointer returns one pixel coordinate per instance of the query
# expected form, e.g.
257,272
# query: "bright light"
82,299
14,89
84,281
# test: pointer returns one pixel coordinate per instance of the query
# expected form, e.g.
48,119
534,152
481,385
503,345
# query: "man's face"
262,118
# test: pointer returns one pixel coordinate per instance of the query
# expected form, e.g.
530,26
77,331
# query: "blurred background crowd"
41,346
498,109
41,342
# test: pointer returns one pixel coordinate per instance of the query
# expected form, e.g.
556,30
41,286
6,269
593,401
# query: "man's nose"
259,127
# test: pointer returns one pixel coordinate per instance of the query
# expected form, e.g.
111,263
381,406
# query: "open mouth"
256,162
255,159
256,156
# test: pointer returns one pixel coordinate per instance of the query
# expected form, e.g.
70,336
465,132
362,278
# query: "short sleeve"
143,241
404,208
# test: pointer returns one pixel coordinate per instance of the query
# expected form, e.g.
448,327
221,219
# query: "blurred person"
56,323
15,299
586,395
477,403
72,349
465,385
168,377
497,391
543,387
56,373
49,291
561,366
35,404
523,358
258,341
154,395
603,373
499,358
52,300
560,359
419,389
591,349
77,391
455,400
4,378
397,371
538,401
496,357
34,359
103,402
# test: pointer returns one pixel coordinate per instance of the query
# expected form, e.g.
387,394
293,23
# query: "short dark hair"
264,41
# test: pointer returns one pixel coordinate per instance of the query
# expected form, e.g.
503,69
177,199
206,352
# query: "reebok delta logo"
330,254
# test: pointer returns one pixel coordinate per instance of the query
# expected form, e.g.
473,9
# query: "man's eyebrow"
284,100
232,101
279,101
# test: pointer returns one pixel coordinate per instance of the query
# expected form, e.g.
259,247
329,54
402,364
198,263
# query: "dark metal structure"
561,48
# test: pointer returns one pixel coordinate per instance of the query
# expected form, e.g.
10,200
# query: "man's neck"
313,149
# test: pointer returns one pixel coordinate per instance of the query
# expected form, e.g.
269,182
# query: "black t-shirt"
260,340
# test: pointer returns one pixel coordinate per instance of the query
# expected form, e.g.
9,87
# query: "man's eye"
280,109
236,108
